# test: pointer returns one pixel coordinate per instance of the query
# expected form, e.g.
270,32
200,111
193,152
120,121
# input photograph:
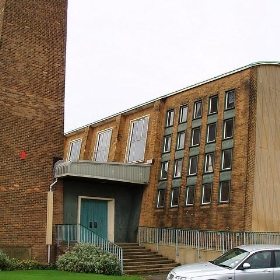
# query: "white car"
245,262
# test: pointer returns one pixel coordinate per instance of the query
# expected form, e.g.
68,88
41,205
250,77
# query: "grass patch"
58,275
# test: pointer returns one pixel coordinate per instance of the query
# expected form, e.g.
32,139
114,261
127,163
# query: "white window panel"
102,146
74,150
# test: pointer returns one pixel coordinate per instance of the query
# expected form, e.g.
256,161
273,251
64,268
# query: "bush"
4,261
88,258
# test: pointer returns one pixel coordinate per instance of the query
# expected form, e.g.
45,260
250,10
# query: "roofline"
251,65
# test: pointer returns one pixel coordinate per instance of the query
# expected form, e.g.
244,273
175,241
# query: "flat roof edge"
251,65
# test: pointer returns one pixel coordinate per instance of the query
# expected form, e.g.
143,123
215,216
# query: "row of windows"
189,200
136,144
209,161
195,136
198,106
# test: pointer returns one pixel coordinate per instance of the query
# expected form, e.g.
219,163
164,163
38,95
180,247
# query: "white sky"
124,53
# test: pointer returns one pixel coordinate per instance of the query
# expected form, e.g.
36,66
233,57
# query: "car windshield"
231,258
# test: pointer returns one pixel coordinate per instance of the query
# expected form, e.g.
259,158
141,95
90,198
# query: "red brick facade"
32,67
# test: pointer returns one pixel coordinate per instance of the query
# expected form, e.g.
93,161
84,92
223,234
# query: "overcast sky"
124,53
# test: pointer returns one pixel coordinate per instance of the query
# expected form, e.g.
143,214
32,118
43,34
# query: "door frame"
111,213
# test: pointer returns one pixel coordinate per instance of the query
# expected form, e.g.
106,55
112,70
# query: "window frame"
162,164
227,104
173,190
179,141
203,193
71,143
134,142
104,150
211,98
187,195
206,160
169,136
160,198
225,128
223,160
193,132
196,110
221,189
208,132
190,165
169,121
183,113
178,174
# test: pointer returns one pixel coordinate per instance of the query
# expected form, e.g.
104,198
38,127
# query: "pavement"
154,276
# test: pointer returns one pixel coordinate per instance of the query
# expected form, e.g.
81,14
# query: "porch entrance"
94,215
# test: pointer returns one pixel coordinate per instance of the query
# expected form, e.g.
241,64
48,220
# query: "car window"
277,258
231,258
260,260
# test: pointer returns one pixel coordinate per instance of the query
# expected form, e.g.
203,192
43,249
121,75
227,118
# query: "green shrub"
88,258
4,261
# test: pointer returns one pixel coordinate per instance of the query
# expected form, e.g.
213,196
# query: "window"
178,168
174,197
74,150
209,163
181,140
226,159
195,136
206,193
193,165
102,146
213,104
190,190
197,112
137,143
230,99
169,118
211,133
228,128
224,192
183,114
166,143
160,198
260,260
164,170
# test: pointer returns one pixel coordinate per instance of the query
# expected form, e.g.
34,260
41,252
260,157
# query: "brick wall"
32,67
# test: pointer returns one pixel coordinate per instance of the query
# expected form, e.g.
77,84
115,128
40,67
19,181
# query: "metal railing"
204,239
79,234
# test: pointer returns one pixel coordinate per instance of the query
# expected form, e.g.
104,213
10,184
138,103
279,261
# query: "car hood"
198,269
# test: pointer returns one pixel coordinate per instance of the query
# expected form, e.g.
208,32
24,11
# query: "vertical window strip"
213,105
193,165
197,113
174,197
166,143
160,198
230,99
169,118
190,192
181,140
178,168
209,162
226,159
138,138
211,133
183,116
164,170
206,193
74,150
224,192
102,146
228,129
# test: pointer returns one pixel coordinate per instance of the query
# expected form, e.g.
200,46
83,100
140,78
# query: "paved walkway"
155,276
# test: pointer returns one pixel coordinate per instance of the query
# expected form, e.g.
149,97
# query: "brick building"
204,157
32,74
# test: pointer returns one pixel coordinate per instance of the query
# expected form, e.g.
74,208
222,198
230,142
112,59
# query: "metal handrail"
204,239
72,233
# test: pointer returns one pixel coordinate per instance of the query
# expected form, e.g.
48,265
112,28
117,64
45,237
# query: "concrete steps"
139,260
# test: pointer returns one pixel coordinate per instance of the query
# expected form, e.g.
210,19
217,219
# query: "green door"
94,215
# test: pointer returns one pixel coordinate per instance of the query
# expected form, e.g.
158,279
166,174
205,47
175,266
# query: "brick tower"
32,82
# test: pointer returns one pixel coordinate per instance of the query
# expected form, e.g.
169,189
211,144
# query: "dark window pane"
213,106
224,191
190,195
226,160
175,197
211,133
228,129
193,165
164,170
206,193
160,198
178,168
169,118
183,114
195,136
181,140
230,99
197,109
166,143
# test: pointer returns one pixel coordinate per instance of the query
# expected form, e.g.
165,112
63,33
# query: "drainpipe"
50,219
